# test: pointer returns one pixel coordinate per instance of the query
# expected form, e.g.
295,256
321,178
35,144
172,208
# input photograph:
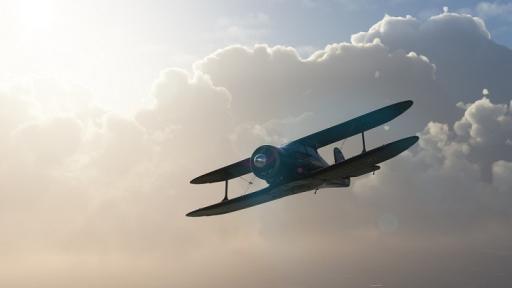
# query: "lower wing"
365,162
264,195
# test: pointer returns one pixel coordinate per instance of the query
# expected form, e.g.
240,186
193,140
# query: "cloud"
460,47
486,123
48,142
177,94
264,79
493,9
447,186
94,199
501,171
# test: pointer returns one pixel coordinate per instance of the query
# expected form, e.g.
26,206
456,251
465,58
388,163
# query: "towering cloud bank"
460,46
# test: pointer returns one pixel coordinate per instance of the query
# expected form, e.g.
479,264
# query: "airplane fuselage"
289,163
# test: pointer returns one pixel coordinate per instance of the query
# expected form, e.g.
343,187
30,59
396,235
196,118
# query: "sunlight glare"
35,16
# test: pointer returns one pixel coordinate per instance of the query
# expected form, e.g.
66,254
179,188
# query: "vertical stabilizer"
338,155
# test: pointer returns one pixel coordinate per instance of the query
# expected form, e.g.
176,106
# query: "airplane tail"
338,155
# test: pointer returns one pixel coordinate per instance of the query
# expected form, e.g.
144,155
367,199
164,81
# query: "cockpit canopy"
301,148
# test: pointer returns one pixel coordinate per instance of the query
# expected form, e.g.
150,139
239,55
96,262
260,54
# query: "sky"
109,108
115,49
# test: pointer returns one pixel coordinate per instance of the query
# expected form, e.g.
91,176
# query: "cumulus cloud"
485,123
493,9
57,139
263,79
458,45
447,183
94,199
501,171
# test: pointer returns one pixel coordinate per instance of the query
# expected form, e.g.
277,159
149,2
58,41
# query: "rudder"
338,155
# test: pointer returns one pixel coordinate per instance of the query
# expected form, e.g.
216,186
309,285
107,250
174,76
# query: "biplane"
297,167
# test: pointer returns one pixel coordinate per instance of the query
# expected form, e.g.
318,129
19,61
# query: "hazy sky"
109,108
115,49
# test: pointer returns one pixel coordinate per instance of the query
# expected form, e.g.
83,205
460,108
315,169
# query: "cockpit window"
297,148
302,149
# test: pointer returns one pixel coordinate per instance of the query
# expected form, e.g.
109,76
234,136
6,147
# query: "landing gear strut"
226,192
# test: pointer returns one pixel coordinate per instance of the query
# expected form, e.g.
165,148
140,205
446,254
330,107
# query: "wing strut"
364,143
226,192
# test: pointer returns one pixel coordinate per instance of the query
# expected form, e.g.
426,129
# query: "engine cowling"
266,162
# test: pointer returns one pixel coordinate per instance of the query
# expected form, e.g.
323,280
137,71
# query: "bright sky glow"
115,49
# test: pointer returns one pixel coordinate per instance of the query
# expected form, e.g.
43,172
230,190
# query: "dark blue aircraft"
297,167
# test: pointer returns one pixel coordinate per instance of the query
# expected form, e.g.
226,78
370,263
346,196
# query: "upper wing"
234,170
366,162
354,126
316,140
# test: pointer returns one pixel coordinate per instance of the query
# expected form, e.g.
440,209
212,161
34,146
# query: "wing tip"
204,179
196,213
201,212
196,180
406,104
192,214
409,141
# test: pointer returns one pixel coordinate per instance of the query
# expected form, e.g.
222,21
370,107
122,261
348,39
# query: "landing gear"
364,144
226,192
